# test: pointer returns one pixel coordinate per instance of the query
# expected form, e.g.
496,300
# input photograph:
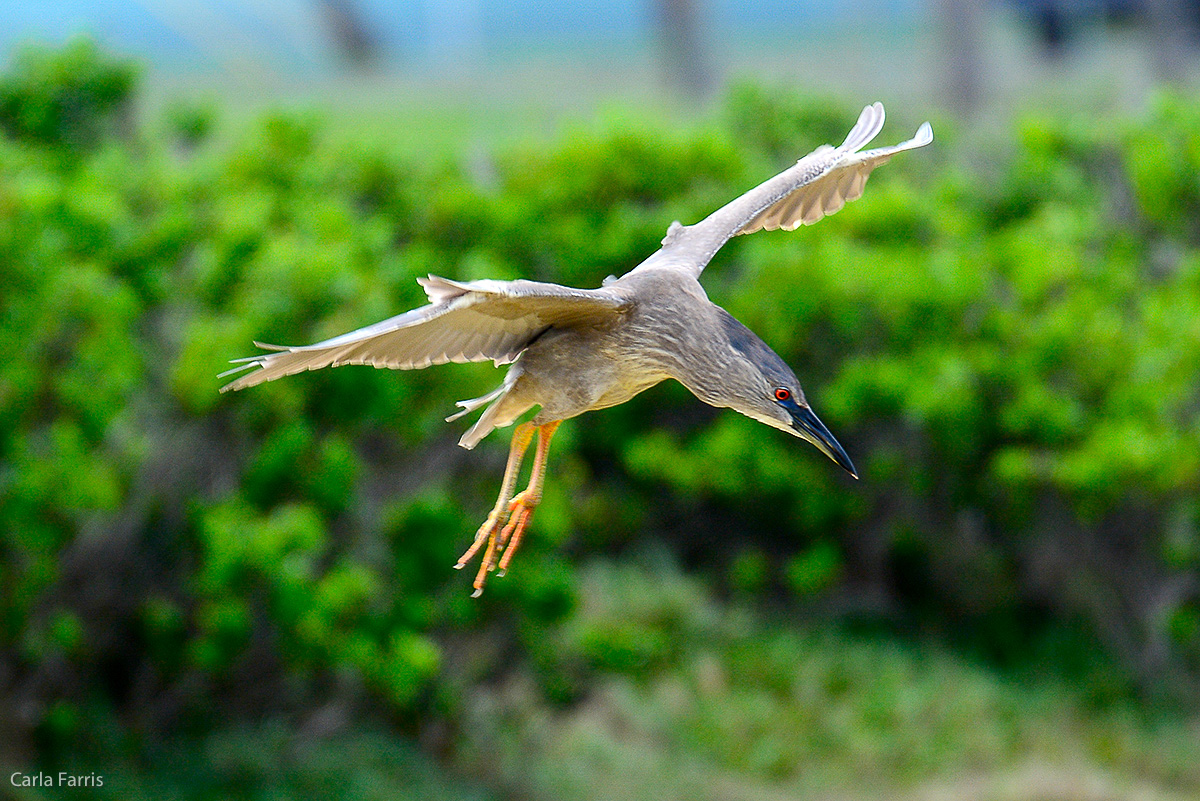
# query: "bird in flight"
572,350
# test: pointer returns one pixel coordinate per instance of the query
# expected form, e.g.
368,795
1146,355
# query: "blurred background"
251,596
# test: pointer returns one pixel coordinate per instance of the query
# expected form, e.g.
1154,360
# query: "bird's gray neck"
685,336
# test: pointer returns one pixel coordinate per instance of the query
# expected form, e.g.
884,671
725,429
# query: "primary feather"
464,322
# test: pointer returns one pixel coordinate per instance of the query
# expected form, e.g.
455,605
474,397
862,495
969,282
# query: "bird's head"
760,385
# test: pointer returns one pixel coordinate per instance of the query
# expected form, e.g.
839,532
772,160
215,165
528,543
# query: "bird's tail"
498,415
468,406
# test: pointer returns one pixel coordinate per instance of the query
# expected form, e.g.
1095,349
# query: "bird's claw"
502,533
486,532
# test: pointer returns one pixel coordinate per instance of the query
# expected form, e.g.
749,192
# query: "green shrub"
73,97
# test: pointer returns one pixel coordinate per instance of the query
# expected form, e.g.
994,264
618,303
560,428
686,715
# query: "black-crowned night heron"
575,350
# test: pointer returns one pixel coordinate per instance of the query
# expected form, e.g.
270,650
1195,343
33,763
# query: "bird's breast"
573,371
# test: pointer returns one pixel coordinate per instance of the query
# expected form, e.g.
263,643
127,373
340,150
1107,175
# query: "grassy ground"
722,704
747,708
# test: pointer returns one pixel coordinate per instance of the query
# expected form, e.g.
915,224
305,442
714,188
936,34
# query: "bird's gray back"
572,369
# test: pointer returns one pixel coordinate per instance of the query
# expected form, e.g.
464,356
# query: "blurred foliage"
750,709
1010,359
73,97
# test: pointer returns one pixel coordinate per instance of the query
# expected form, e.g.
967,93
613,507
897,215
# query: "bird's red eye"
782,395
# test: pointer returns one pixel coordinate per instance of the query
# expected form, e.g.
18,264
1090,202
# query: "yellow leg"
522,436
517,511
521,507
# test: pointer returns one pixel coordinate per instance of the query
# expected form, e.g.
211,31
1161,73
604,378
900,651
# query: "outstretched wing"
464,322
818,184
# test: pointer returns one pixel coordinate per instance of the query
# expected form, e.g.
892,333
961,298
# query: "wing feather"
842,182
819,184
473,321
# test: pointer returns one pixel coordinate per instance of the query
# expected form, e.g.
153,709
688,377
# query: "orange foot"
502,533
506,523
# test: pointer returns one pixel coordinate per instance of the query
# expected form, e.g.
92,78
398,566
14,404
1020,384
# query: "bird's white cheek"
773,422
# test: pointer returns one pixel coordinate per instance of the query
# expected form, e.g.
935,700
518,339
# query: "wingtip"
869,124
441,290
924,134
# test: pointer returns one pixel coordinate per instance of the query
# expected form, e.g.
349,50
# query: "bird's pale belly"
572,372
624,390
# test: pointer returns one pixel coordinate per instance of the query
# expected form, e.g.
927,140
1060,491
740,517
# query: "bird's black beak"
813,430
